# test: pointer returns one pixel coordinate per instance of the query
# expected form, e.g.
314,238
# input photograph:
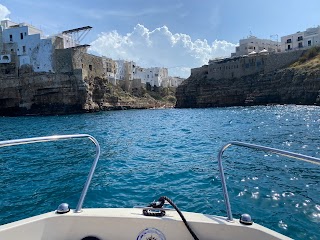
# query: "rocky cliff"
48,93
296,84
101,95
32,93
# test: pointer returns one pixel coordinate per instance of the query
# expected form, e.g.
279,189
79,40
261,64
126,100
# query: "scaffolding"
78,34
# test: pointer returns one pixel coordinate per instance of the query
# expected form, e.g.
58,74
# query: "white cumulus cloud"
160,48
4,12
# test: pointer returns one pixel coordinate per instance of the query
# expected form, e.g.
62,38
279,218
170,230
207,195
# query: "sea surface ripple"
172,152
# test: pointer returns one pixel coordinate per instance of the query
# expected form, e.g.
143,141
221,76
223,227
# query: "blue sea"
171,152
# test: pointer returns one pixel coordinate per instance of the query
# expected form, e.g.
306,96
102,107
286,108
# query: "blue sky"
175,34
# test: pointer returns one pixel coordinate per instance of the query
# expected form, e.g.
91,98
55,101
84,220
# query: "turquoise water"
172,152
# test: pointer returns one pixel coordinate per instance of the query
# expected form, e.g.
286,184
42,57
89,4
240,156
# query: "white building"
254,44
154,76
140,73
28,44
124,70
120,70
312,37
308,38
292,41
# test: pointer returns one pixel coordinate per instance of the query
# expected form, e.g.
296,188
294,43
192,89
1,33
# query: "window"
24,48
300,38
10,37
90,67
289,40
300,45
21,35
309,43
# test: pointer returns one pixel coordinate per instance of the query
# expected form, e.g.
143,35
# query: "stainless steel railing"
266,149
62,137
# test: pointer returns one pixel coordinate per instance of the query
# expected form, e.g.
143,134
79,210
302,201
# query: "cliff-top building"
25,42
254,44
22,44
155,76
110,67
299,40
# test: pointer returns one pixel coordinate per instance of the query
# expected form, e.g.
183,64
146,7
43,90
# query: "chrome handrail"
263,148
62,137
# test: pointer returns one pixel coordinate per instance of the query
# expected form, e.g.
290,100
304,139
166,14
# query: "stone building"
110,67
236,67
79,63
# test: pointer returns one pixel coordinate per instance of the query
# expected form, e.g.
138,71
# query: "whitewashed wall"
120,70
68,41
41,57
30,48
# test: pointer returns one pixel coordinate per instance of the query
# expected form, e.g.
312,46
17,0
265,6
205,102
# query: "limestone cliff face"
49,93
101,95
284,86
64,93
78,84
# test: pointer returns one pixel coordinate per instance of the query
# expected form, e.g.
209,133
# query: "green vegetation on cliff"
310,60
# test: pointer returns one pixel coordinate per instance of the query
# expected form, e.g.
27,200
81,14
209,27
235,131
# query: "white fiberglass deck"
130,223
